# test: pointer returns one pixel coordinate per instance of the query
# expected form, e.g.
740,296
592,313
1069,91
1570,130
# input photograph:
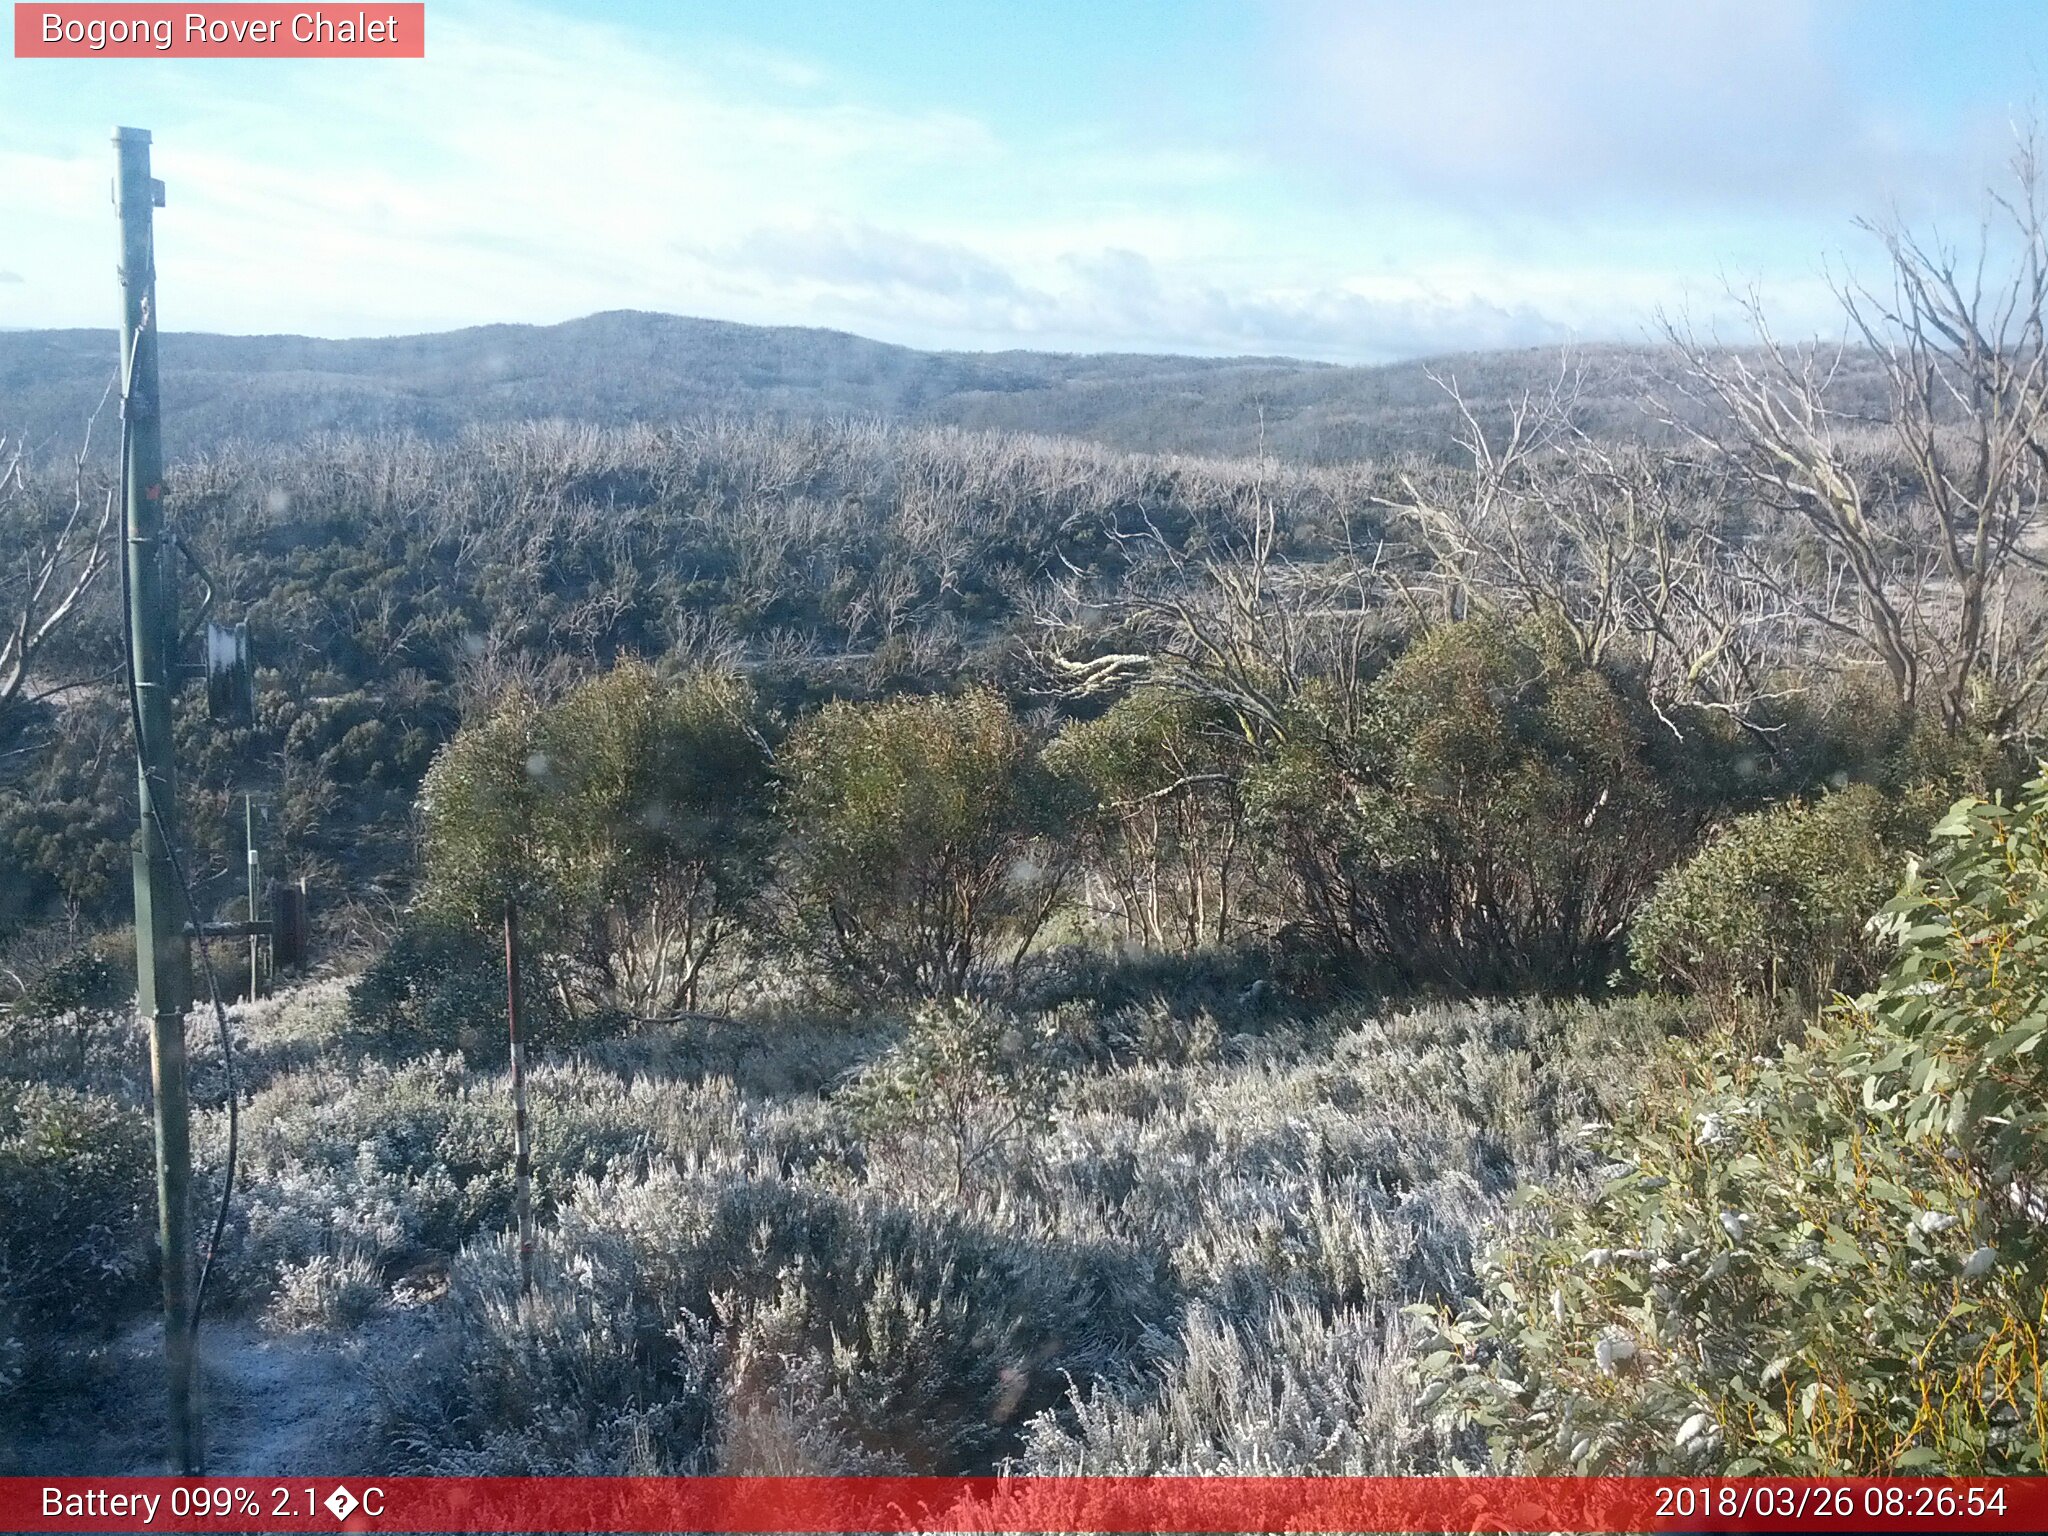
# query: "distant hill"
627,365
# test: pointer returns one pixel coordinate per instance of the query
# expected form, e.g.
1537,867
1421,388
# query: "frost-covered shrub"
779,1052
733,1282
913,1343
337,1291
311,1015
401,1162
1294,1390
76,1200
1364,1171
589,1374
72,1024
1122,1008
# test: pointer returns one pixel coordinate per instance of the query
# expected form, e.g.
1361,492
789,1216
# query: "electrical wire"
163,832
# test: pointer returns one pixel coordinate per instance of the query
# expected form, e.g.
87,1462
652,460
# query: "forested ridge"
625,367
1515,949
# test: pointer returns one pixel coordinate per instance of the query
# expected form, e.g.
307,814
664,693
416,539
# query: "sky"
1350,180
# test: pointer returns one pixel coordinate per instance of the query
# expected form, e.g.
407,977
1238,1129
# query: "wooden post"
522,1148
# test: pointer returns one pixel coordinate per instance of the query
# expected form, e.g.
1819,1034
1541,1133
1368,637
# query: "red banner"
116,31
1105,1504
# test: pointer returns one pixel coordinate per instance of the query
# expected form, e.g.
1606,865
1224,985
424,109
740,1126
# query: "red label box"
242,31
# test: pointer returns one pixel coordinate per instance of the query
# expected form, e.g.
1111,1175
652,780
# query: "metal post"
522,1148
163,956
255,943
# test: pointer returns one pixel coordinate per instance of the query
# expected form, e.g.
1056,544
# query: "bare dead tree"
1621,546
1939,536
1246,628
57,565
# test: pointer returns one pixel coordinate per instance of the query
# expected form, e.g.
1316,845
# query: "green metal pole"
163,955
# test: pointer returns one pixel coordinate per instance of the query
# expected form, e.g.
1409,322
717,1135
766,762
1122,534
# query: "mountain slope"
631,366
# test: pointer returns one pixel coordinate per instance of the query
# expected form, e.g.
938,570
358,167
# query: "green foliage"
660,818
84,979
1827,1261
1967,1001
76,1184
439,986
968,1079
922,836
626,822
64,827
1778,902
1159,778
1491,819
484,808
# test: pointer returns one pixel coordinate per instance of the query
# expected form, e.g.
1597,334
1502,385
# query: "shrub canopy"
627,823
921,838
1491,820
1825,1261
1778,902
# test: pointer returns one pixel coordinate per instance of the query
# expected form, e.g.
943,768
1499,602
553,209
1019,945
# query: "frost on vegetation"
327,1291
1191,1267
1295,1390
1180,1264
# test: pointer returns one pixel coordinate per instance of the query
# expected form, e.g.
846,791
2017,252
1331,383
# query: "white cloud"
855,256
1598,103
539,166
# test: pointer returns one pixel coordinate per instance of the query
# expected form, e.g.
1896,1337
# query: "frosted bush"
907,1342
1297,1392
1186,1265
582,1376
337,1291
299,1216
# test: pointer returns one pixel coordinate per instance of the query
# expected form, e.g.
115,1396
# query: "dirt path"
274,1404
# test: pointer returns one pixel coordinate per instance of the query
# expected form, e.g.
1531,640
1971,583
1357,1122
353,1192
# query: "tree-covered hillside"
849,946
624,367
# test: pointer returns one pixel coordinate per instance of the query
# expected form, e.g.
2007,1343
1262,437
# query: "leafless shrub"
1937,537
60,553
1635,552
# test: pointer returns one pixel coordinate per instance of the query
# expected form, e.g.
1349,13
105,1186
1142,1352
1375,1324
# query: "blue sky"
1339,179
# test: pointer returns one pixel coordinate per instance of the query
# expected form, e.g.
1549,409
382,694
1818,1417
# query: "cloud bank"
1413,180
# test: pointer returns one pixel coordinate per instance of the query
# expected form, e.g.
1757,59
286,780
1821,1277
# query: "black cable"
163,832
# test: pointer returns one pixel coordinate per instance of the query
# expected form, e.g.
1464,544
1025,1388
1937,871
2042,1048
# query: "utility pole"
163,954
